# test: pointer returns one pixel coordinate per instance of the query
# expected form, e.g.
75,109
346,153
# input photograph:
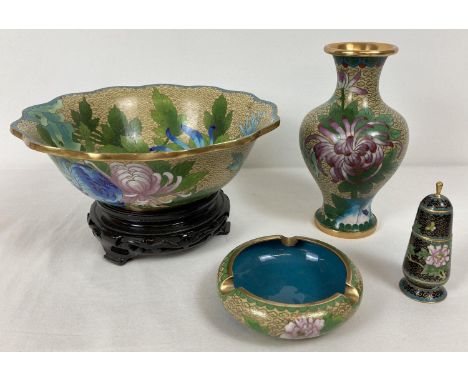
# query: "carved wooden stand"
126,235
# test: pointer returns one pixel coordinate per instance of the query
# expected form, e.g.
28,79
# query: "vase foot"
126,235
344,234
421,294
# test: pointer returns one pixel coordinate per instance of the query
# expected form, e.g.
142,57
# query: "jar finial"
439,186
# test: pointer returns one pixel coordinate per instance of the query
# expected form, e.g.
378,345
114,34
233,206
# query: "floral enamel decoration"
431,227
251,124
303,327
439,255
353,143
349,85
94,184
237,160
119,134
140,185
427,262
132,184
433,259
351,149
173,134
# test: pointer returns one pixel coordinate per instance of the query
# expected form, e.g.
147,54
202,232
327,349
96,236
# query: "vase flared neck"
358,75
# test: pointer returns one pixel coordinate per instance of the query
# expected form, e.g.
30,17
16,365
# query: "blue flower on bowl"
94,184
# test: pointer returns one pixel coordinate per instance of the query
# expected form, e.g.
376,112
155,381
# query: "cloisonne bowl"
289,287
148,147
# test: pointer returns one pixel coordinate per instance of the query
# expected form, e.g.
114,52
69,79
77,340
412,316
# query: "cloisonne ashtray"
154,158
289,287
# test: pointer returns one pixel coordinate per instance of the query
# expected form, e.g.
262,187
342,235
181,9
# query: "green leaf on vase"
330,211
395,134
350,112
430,270
335,113
385,118
341,204
422,254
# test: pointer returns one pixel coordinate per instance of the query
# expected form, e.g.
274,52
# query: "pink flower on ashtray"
439,255
140,185
348,85
303,327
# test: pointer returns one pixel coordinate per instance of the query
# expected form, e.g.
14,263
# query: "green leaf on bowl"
84,115
133,129
165,113
45,136
51,125
159,166
219,117
190,181
182,168
103,166
134,145
115,127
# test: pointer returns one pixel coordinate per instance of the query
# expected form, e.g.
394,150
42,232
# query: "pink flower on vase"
139,184
348,85
439,255
351,148
303,327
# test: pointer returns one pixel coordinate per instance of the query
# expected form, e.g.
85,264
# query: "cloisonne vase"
353,143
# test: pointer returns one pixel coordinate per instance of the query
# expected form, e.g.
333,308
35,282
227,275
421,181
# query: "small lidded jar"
426,266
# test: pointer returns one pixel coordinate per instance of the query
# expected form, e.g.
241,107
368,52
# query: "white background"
426,81
56,291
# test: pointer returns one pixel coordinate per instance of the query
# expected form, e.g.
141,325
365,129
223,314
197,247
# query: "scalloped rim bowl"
35,144
148,147
289,287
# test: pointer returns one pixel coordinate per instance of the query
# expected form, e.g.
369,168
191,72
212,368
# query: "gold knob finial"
439,186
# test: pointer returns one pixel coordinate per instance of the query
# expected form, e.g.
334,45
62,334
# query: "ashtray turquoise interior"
290,288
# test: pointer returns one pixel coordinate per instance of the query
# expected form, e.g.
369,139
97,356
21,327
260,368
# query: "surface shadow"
384,269
281,193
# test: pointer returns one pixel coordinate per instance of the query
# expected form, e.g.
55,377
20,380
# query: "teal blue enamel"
304,273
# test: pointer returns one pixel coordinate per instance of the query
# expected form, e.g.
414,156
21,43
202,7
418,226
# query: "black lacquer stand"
126,235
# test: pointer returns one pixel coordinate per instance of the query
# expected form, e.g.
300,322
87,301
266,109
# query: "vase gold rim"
361,49
344,235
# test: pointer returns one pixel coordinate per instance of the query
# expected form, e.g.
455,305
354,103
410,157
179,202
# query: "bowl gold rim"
94,156
361,48
290,241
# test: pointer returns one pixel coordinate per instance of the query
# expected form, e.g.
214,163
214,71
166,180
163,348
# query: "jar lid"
437,201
